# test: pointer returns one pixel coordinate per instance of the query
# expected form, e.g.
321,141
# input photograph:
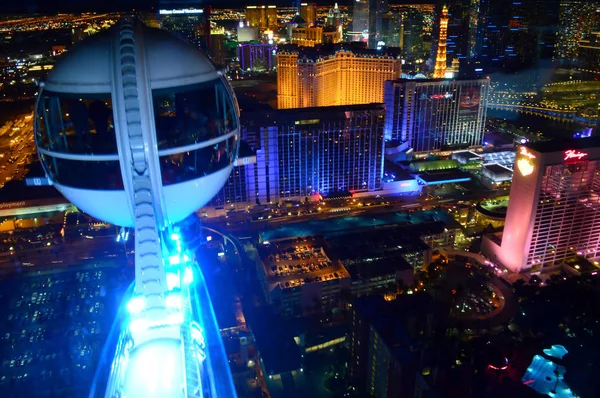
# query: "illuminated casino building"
302,152
258,57
262,17
185,18
360,20
588,54
577,19
436,114
327,75
553,209
306,36
327,150
308,11
367,21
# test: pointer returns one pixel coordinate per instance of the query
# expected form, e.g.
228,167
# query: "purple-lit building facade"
554,208
255,56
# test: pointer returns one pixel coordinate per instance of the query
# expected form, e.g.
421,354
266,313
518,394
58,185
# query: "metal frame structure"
167,314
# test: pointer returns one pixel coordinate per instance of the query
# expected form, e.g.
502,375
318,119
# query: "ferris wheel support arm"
133,119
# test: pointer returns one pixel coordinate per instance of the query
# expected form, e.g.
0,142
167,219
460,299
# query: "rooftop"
417,221
378,267
327,50
443,177
275,342
563,145
497,169
446,81
358,247
391,319
291,263
315,116
467,155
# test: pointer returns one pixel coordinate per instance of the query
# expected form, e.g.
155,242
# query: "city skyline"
373,199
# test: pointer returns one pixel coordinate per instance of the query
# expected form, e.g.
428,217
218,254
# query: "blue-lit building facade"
307,151
329,150
436,114
516,34
494,35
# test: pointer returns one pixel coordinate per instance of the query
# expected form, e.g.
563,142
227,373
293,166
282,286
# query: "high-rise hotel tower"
329,75
436,114
554,208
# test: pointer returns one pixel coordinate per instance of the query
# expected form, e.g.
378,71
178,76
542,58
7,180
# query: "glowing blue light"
136,305
123,235
138,325
188,276
175,237
175,319
173,301
175,259
172,280
196,334
155,371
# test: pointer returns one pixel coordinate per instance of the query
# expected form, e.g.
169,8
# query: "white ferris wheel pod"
134,100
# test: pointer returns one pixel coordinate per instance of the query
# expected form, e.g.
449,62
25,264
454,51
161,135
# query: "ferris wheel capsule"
133,100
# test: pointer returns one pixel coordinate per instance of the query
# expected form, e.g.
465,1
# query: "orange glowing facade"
262,17
440,59
308,36
333,75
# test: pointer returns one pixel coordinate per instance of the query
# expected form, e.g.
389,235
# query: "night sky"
52,6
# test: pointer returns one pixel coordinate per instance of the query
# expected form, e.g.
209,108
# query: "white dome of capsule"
132,102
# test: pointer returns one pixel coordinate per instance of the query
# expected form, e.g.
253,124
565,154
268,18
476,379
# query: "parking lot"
295,257
30,238
53,328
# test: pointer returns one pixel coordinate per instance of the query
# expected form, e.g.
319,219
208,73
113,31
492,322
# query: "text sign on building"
181,11
525,162
437,96
441,96
574,156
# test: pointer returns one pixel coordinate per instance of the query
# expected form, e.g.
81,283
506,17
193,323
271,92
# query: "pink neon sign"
572,154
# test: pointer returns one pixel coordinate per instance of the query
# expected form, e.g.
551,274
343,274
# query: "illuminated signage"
181,11
525,167
308,121
441,96
526,153
574,155
525,163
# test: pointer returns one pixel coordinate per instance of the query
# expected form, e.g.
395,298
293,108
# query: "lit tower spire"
440,58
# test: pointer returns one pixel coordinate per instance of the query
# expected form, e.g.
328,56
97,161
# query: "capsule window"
75,123
97,175
193,114
196,164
